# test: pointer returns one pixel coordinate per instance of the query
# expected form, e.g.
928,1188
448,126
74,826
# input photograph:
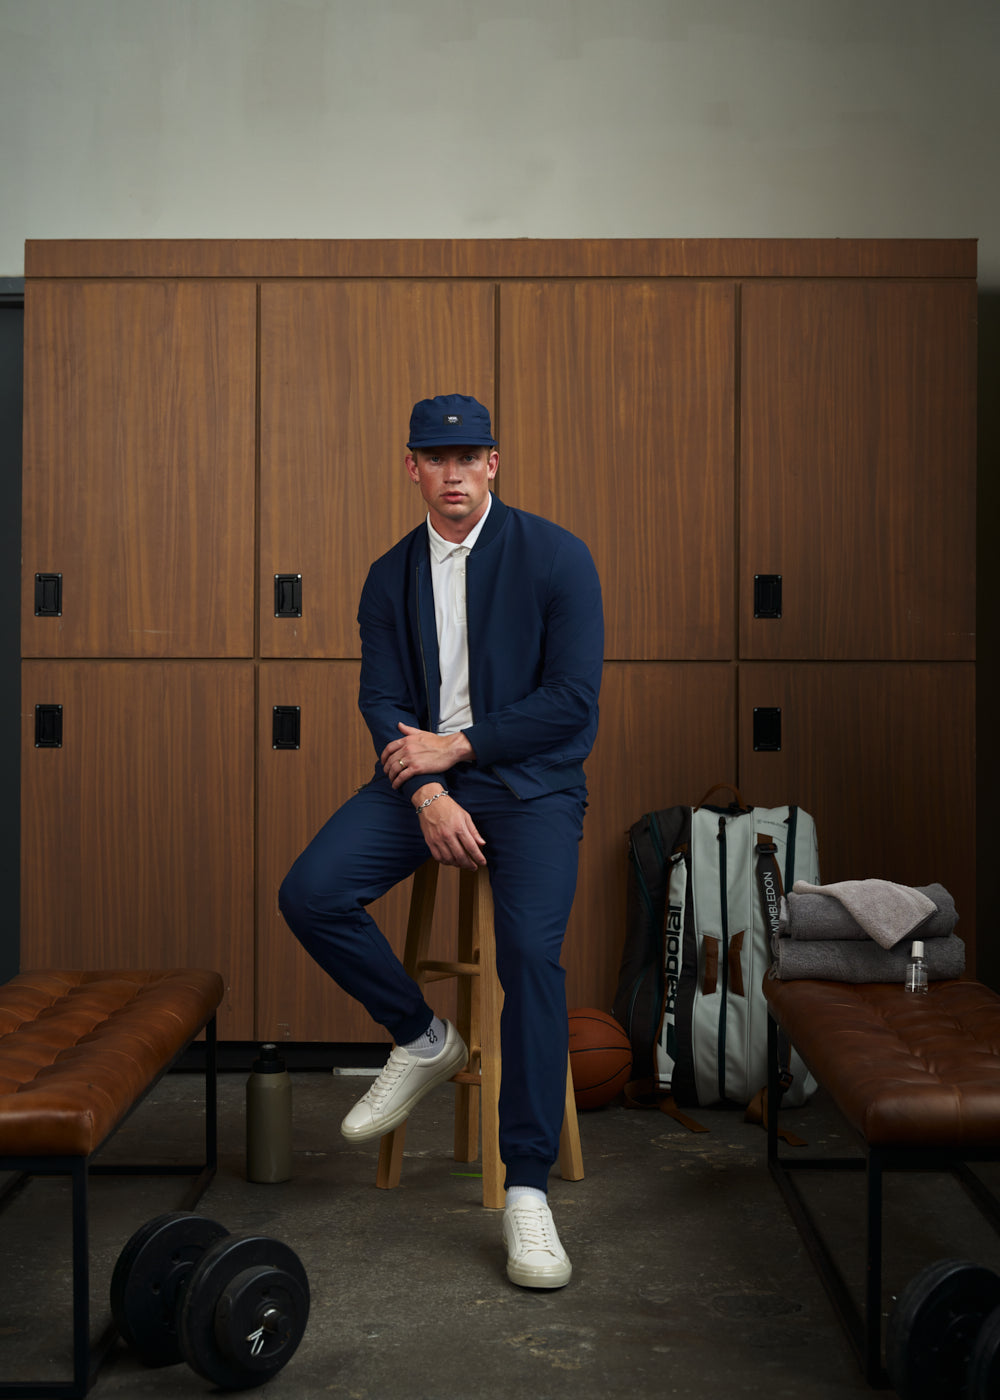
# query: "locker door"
618,403
882,755
298,790
668,733
342,364
858,469
139,469
137,827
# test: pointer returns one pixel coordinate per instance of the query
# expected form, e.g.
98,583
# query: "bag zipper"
724,959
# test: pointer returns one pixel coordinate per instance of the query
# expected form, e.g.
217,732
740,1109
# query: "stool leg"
418,937
490,1007
469,1022
570,1151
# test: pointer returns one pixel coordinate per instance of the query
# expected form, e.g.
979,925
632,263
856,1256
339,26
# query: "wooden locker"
298,789
139,468
342,364
617,422
699,412
882,755
137,832
858,463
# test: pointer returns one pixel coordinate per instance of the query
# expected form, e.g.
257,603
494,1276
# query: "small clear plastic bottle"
916,970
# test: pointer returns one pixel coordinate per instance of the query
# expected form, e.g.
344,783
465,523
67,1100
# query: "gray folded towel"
847,960
811,916
886,911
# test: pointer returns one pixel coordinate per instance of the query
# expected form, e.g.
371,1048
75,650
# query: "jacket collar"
494,524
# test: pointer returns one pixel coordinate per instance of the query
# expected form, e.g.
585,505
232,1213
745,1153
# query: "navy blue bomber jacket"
536,647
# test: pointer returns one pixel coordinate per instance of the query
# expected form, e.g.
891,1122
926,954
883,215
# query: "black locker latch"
767,595
767,729
285,727
48,595
288,595
48,726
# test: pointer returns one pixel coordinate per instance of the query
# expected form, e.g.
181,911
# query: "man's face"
455,483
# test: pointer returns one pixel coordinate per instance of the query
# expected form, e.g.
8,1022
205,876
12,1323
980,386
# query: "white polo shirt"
448,580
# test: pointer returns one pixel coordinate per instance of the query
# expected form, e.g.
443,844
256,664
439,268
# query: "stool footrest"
449,969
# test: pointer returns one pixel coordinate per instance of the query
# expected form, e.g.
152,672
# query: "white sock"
518,1193
431,1042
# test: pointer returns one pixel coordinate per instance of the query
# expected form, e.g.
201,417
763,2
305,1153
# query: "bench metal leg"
871,1338
81,1280
863,1329
87,1357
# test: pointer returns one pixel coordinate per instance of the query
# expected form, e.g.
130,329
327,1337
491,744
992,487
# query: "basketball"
600,1055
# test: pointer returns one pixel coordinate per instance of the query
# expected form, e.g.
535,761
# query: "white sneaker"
535,1258
402,1083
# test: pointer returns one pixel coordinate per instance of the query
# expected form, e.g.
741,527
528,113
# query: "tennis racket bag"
704,892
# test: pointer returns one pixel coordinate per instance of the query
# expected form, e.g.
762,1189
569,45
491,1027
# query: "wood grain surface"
859,411
139,468
137,834
881,754
342,365
501,257
618,424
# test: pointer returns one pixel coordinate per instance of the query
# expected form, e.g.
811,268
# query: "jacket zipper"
420,639
468,650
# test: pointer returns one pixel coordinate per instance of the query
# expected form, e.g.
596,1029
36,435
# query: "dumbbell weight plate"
232,1294
933,1325
149,1278
260,1319
984,1363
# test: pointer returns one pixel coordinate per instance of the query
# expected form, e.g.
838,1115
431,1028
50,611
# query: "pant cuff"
527,1171
412,1027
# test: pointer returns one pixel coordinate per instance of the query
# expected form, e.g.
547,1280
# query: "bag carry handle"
643,1093
724,787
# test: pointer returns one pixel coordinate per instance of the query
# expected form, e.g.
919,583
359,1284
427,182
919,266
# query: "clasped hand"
419,752
449,831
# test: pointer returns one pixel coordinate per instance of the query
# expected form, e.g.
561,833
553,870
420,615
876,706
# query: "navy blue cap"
450,419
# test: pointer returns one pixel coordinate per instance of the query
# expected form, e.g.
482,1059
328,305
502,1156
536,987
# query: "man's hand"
419,751
448,829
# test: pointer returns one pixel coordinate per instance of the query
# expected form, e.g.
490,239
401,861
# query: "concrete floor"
689,1277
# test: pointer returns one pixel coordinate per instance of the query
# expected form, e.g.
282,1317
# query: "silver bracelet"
428,800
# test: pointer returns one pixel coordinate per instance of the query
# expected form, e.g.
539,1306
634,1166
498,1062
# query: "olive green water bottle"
269,1118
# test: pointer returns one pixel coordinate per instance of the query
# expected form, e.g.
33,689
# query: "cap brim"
463,441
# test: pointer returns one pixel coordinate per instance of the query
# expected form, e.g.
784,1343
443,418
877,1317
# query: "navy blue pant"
373,842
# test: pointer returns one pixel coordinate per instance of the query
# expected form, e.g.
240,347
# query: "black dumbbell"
943,1335
234,1307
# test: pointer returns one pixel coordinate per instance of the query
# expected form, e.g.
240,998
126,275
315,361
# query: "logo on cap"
453,418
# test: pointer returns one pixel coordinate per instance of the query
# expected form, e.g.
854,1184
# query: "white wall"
499,118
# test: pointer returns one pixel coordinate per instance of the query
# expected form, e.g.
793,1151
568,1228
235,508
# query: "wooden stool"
480,999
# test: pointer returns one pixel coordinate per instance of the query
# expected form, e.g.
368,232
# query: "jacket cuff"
410,786
481,737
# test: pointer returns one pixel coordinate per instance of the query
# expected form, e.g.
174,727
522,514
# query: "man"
481,647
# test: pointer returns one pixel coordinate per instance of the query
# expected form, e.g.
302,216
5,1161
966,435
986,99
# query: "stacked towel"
847,960
863,931
819,916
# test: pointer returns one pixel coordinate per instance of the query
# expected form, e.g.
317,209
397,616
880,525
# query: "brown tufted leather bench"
78,1052
917,1078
